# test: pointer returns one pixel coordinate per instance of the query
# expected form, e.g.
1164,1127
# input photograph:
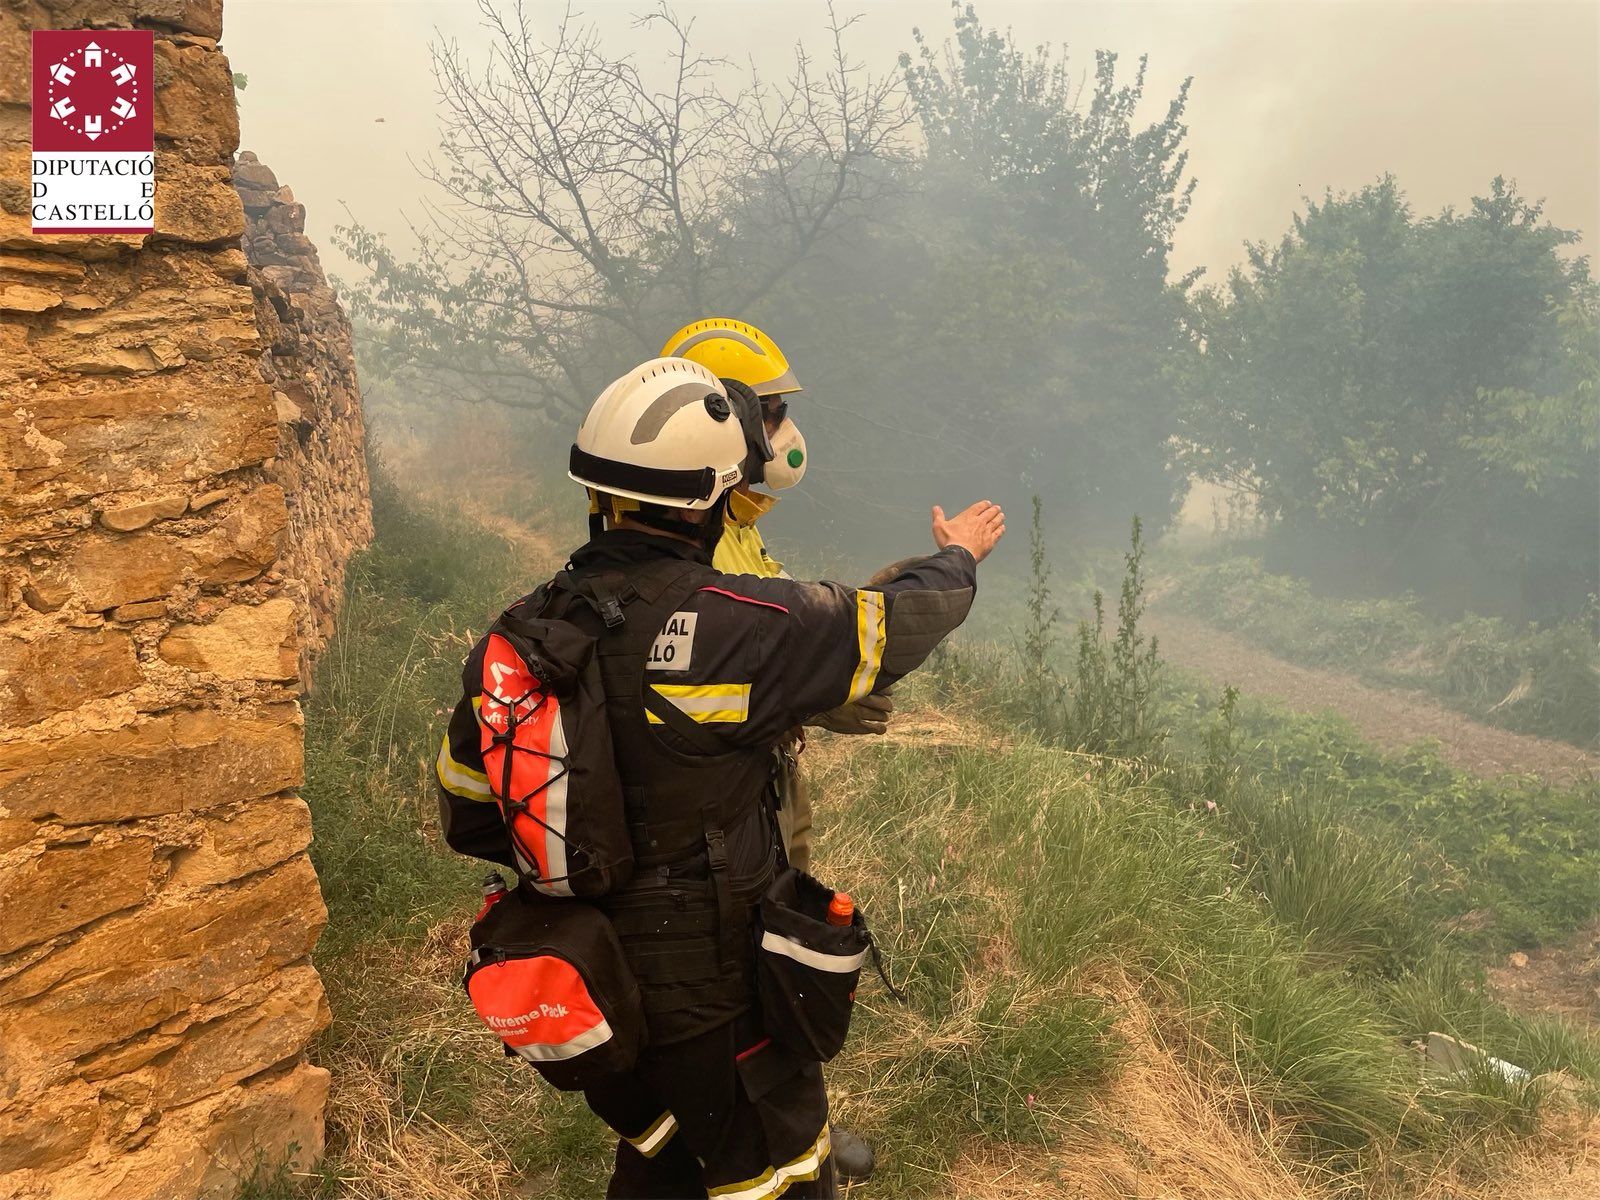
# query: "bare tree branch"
580,208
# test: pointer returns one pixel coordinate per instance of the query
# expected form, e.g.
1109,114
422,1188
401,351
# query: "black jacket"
753,657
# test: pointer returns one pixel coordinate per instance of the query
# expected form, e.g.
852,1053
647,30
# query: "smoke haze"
1288,99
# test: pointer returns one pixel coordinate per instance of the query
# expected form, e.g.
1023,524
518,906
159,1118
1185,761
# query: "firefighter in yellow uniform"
758,377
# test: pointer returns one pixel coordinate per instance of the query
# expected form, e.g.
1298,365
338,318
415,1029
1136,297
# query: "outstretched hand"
977,528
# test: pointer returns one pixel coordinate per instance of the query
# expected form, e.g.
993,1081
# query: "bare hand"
977,528
870,715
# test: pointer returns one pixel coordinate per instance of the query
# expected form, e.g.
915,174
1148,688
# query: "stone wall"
157,908
308,359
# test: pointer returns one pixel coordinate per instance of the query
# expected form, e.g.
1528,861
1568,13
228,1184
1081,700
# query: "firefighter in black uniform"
713,1107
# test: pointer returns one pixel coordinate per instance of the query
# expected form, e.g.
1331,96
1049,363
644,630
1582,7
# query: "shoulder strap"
679,586
659,587
608,593
706,741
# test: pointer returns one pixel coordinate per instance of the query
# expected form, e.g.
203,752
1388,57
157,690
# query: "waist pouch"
549,980
807,969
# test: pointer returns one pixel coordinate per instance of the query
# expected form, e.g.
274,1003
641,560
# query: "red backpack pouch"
549,980
547,752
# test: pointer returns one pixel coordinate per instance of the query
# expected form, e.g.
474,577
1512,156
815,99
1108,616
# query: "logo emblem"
94,90
93,131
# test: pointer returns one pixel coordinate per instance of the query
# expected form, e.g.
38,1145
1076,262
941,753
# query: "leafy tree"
993,112
1393,391
1006,324
1548,437
985,311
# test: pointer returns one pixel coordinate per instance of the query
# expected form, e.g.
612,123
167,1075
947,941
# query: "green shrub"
1347,891
1517,850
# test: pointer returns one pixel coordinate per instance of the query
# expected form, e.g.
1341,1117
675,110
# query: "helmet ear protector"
752,419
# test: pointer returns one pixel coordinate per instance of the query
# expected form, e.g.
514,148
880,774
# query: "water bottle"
494,891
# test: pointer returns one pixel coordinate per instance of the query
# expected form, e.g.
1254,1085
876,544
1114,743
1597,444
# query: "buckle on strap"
716,850
727,929
609,604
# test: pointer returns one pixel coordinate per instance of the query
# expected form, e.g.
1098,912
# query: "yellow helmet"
734,350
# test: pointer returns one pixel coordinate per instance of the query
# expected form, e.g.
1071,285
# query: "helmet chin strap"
707,533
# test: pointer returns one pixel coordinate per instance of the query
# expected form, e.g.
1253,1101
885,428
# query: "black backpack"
545,737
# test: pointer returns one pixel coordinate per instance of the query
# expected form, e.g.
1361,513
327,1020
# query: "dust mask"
788,465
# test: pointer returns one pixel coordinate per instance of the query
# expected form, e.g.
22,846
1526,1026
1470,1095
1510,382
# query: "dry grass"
382,1156
1160,1128
387,1148
422,1108
1563,1164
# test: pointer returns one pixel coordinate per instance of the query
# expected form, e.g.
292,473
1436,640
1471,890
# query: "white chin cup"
788,465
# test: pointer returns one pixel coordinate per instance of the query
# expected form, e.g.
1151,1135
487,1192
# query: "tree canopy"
1006,325
967,261
1409,398
580,208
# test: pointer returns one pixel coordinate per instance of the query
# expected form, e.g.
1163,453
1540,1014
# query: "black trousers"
725,1114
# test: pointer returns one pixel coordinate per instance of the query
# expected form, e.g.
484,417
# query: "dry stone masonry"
181,479
309,361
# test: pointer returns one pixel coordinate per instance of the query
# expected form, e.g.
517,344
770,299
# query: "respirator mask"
778,459
788,465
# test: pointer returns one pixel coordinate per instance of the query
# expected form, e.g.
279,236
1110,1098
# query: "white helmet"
664,433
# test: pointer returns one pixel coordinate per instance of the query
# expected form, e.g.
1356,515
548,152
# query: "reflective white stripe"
869,642
555,815
460,780
774,1181
587,1040
656,1136
706,703
837,964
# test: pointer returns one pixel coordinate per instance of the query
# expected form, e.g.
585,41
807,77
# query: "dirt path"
1390,718
1561,980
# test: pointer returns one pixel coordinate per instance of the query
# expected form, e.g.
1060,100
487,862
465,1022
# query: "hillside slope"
1111,994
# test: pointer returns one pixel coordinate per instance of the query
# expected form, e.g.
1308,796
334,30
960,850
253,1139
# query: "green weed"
1518,851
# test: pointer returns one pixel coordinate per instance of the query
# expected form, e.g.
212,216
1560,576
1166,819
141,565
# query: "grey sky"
1290,96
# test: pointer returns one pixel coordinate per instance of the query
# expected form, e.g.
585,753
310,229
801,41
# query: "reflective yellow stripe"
774,1180
459,779
706,703
748,1189
870,633
649,1142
